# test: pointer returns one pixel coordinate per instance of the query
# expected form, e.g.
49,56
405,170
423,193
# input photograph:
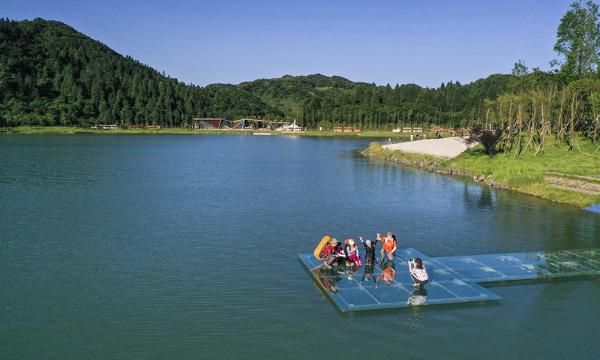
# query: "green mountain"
51,74
318,99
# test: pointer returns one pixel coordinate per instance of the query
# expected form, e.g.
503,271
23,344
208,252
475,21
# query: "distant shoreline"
66,130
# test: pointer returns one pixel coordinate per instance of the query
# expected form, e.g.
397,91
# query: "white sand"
444,147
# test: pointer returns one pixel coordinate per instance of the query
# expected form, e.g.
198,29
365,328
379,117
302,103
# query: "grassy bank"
570,177
65,130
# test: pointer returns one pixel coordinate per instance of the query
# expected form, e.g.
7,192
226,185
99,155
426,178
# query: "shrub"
487,138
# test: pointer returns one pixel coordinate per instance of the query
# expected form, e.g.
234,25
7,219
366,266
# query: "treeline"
563,101
523,121
561,106
52,75
317,100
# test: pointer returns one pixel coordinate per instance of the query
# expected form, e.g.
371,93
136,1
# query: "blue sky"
426,42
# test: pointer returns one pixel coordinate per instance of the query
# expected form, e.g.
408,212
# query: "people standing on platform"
388,249
369,250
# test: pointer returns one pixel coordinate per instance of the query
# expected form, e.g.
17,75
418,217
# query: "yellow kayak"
319,249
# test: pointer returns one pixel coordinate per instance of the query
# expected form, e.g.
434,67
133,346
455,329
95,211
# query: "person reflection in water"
328,279
368,274
418,297
389,273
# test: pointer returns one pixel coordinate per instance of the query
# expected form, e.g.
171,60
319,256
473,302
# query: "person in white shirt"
418,273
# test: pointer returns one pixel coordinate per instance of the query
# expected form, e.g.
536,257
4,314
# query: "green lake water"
184,247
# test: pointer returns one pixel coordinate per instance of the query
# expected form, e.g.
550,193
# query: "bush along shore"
569,177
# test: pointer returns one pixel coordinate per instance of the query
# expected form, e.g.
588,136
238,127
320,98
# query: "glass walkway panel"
454,279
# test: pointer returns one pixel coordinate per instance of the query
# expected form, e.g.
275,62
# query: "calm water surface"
184,247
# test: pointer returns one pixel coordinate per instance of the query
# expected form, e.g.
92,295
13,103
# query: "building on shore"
211,123
105,127
408,130
142,126
293,127
346,129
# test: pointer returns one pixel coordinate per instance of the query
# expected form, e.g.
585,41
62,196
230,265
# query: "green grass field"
525,173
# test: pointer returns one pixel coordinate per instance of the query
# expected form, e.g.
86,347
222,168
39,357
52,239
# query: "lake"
184,247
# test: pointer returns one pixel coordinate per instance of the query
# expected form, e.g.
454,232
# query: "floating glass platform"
453,279
593,208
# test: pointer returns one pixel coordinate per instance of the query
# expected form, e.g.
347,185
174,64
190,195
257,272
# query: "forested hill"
318,99
52,75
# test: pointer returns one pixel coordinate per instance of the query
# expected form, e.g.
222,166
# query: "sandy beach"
444,147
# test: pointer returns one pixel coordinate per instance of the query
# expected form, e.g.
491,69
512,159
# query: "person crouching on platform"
335,254
329,253
418,273
352,252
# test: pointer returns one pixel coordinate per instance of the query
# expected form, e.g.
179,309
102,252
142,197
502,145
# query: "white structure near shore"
445,147
290,127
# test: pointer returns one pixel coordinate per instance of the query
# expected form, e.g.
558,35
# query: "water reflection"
389,273
137,242
368,274
415,320
328,277
417,297
568,263
479,196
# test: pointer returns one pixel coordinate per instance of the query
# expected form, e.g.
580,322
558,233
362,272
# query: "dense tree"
578,39
520,68
52,75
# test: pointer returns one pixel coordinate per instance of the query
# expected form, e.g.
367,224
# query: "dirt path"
582,184
445,147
